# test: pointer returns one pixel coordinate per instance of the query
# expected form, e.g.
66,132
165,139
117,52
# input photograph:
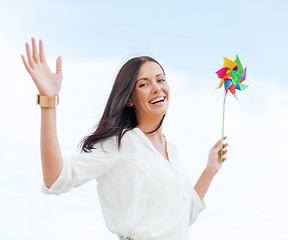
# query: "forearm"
203,183
51,156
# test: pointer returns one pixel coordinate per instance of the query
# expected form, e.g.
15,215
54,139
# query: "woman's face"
150,96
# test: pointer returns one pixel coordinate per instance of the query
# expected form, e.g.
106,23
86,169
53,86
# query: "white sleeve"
197,206
84,167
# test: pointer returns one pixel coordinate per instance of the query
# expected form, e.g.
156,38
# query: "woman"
143,190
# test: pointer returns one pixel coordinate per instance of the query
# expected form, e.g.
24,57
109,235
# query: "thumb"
59,65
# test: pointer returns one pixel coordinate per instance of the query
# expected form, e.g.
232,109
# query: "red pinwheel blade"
227,77
221,73
232,88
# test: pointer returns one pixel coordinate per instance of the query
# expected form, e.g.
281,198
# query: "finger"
59,66
225,145
221,145
224,159
41,51
217,143
35,51
29,57
224,152
27,66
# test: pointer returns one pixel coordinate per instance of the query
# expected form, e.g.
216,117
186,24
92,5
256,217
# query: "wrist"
211,171
48,94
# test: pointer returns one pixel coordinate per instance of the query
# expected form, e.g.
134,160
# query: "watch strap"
45,101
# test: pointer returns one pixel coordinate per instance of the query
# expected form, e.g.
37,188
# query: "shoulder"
129,133
111,143
129,137
108,144
131,142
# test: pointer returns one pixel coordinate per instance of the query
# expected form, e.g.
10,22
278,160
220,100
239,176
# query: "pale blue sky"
189,38
188,35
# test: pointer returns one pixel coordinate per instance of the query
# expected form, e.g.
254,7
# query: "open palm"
48,83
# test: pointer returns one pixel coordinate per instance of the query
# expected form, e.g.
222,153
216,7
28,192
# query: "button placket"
175,169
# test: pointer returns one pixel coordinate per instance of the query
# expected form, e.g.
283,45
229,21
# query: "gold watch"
45,101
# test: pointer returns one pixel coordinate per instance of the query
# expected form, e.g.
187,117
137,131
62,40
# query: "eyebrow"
147,78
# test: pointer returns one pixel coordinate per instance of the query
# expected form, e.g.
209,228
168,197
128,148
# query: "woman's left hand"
214,160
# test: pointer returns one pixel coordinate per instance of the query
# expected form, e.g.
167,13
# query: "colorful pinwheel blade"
220,84
232,88
232,75
221,73
243,76
235,96
228,63
227,84
238,87
236,77
242,86
239,65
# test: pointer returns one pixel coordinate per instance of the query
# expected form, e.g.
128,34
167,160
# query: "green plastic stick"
223,125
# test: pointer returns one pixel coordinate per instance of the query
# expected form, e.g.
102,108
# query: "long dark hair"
117,115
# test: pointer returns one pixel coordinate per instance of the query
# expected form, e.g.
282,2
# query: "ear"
129,103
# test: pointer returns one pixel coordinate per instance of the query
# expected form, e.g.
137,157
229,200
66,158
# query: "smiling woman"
143,190
150,97
128,104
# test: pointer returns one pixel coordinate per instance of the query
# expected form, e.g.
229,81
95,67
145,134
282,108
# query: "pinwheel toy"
232,76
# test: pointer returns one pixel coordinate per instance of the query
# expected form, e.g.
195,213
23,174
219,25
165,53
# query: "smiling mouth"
159,100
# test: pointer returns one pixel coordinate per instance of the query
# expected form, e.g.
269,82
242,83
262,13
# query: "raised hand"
214,160
48,83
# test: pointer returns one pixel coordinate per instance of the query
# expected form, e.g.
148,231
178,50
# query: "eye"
161,80
142,85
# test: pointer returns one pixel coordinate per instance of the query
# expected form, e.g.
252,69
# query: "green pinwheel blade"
242,86
240,67
236,77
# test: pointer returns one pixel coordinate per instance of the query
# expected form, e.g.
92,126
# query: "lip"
157,97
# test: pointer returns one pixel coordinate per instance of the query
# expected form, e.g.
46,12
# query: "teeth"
157,99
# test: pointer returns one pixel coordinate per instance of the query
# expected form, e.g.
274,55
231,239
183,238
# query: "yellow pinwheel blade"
228,63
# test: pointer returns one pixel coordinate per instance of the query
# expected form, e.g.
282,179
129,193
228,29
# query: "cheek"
138,97
167,89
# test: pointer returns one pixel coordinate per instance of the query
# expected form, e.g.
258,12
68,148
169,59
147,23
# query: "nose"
156,88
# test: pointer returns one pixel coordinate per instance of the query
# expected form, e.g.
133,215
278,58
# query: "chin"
161,112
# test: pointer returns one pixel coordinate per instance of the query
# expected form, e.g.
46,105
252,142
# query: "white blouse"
142,194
